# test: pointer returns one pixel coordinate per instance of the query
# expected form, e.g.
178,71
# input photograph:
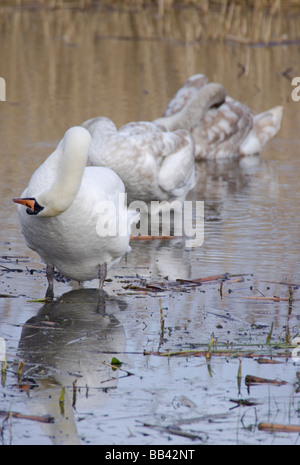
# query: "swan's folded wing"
222,130
177,172
172,151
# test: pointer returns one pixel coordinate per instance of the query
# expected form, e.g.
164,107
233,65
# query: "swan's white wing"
89,229
102,183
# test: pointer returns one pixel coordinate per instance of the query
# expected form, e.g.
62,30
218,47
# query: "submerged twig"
162,325
116,367
239,376
217,277
20,369
8,296
221,289
184,284
176,431
74,394
62,401
40,418
291,298
274,298
243,403
252,380
262,360
209,349
5,268
220,353
281,283
3,371
270,334
276,427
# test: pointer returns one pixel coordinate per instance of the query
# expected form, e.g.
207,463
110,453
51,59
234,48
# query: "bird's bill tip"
28,203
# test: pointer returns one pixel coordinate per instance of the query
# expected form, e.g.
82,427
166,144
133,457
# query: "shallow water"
70,69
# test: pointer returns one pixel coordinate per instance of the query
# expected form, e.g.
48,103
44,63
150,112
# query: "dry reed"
272,5
244,21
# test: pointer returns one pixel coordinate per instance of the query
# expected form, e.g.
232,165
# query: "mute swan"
229,130
64,212
153,163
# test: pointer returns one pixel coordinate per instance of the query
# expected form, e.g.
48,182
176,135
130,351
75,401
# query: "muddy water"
62,67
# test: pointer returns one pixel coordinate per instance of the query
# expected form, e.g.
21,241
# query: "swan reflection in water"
69,342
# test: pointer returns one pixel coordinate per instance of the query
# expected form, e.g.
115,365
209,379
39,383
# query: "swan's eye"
37,208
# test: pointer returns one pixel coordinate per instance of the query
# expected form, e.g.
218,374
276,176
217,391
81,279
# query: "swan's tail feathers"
265,126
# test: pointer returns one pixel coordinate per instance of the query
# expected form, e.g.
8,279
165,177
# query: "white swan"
153,163
227,130
65,210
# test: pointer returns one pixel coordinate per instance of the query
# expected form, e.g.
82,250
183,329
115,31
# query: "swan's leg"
102,275
50,278
101,300
101,304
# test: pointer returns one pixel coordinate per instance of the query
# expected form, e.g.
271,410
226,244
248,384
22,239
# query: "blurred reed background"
65,61
245,21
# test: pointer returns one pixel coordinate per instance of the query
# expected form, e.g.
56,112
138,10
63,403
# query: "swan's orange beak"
28,203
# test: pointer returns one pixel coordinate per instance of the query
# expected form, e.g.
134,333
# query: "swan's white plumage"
153,163
64,234
225,129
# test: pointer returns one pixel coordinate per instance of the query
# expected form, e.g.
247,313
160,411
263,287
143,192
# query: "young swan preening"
221,126
154,163
64,211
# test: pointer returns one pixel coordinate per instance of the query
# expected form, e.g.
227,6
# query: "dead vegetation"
257,22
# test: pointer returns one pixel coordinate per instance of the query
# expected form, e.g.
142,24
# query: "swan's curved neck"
193,112
71,158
